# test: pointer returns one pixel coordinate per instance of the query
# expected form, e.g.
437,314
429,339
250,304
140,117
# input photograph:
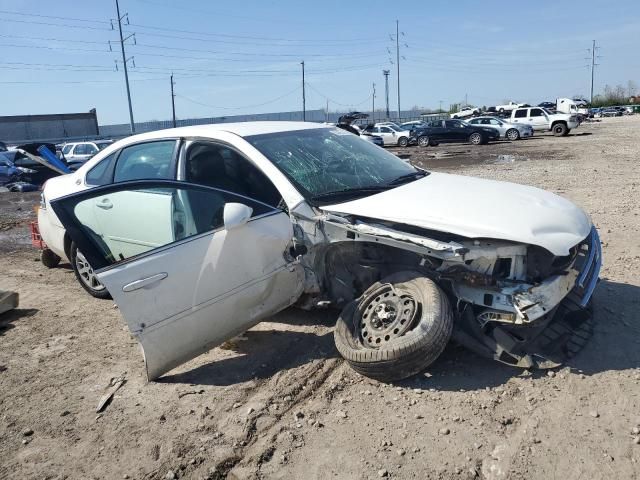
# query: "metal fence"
124,129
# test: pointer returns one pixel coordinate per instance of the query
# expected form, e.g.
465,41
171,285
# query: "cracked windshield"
327,164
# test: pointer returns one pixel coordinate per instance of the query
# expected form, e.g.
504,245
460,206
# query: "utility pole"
440,109
326,112
304,100
373,103
386,90
465,100
398,62
173,102
124,63
593,67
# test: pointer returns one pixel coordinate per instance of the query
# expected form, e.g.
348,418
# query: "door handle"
144,282
105,204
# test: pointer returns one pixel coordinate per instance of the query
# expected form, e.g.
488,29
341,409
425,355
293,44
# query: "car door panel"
191,294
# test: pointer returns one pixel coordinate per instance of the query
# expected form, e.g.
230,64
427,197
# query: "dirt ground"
282,404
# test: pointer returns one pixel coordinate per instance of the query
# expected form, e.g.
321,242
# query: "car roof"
242,129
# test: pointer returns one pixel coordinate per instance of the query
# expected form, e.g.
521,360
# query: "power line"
49,24
239,108
334,101
30,15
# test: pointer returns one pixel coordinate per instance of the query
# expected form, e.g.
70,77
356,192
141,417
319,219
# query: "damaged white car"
201,232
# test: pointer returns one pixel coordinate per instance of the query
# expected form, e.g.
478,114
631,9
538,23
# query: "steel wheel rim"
386,315
85,272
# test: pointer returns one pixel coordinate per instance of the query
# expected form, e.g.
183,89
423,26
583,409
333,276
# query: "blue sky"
244,56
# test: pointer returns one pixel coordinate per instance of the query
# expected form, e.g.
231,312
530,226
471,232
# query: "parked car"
508,107
544,120
610,112
411,125
466,112
77,153
548,105
391,134
452,131
510,131
345,122
201,232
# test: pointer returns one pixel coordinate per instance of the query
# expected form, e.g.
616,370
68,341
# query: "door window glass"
102,173
535,112
145,161
91,150
521,113
125,223
80,149
385,130
66,149
221,167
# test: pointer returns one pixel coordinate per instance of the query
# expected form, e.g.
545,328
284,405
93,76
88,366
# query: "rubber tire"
403,141
476,135
454,116
49,259
560,130
424,141
103,294
406,355
511,131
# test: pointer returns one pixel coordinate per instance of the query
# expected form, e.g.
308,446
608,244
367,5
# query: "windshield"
326,163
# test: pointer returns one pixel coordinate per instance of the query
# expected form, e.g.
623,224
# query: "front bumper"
557,317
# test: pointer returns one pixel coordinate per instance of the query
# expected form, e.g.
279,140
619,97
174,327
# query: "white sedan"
201,232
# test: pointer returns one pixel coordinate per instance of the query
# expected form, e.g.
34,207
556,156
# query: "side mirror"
235,215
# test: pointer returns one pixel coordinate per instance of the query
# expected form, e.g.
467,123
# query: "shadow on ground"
8,318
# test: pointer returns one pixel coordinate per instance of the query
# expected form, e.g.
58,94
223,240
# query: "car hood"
477,208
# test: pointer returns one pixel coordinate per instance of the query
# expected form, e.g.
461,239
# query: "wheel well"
557,122
346,269
67,245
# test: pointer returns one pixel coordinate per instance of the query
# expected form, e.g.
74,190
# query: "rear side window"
102,173
152,160
521,113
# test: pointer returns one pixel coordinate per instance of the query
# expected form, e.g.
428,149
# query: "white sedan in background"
466,112
510,131
201,232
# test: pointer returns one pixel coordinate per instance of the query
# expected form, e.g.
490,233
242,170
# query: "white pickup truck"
508,107
542,119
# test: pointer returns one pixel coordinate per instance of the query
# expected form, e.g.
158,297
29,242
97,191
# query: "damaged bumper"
551,321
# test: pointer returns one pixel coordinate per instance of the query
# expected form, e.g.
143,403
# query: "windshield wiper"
408,176
347,192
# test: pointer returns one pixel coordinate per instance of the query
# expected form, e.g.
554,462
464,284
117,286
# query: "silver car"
80,152
510,131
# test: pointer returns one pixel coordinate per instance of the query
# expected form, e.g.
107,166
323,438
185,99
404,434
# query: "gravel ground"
280,403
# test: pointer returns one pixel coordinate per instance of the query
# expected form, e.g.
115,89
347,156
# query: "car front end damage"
513,302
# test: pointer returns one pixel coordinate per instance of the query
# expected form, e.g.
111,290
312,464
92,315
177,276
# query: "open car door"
188,266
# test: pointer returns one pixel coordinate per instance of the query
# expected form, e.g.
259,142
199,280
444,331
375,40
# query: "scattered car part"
8,301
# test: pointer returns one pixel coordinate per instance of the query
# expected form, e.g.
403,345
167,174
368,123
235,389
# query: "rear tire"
424,141
560,130
85,276
513,134
403,141
49,259
387,344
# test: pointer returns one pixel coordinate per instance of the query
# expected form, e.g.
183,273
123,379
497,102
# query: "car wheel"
475,138
397,328
423,141
403,141
560,130
85,275
454,116
513,134
48,258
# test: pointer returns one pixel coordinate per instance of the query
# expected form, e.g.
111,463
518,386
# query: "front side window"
152,160
91,149
536,112
124,223
386,130
218,166
323,163
81,149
